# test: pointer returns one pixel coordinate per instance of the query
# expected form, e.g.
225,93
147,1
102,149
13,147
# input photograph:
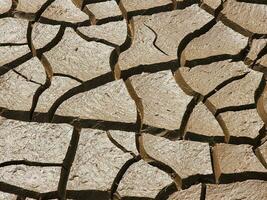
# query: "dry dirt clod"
5,5
102,158
170,29
104,9
233,160
140,181
76,57
202,122
187,158
192,193
110,102
246,190
163,101
245,123
250,16
261,153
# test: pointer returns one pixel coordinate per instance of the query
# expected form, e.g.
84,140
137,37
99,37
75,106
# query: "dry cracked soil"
133,99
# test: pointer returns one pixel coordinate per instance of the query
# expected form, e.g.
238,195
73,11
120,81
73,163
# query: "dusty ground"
133,99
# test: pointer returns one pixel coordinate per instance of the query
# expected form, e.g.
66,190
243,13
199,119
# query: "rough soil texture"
133,99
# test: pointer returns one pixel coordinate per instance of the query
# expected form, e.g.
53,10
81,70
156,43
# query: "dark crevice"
12,189
189,110
253,1
109,19
207,60
52,43
42,9
262,53
220,139
150,68
167,169
67,162
155,40
29,163
68,76
118,145
166,192
197,33
188,38
235,108
37,95
223,84
196,179
45,20
121,173
93,39
136,198
242,176
25,77
12,44
13,64
85,86
260,89
203,191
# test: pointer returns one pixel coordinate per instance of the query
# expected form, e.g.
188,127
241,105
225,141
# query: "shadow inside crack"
242,176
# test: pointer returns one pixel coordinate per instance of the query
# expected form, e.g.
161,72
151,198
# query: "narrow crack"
155,40
25,77
68,76
166,192
235,108
121,173
67,162
118,145
94,39
29,163
223,84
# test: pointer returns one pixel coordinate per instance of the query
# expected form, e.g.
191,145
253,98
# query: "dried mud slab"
192,193
237,93
232,160
246,190
101,158
250,16
261,153
13,30
66,11
245,123
203,122
76,57
105,9
32,178
170,28
114,32
42,34
139,181
164,103
59,85
143,4
30,6
219,40
5,5
33,141
16,91
7,196
256,46
205,78
110,102
186,158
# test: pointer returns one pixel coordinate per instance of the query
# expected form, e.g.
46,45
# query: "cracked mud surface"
124,99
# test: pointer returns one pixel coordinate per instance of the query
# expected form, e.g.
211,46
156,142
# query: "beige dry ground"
133,99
